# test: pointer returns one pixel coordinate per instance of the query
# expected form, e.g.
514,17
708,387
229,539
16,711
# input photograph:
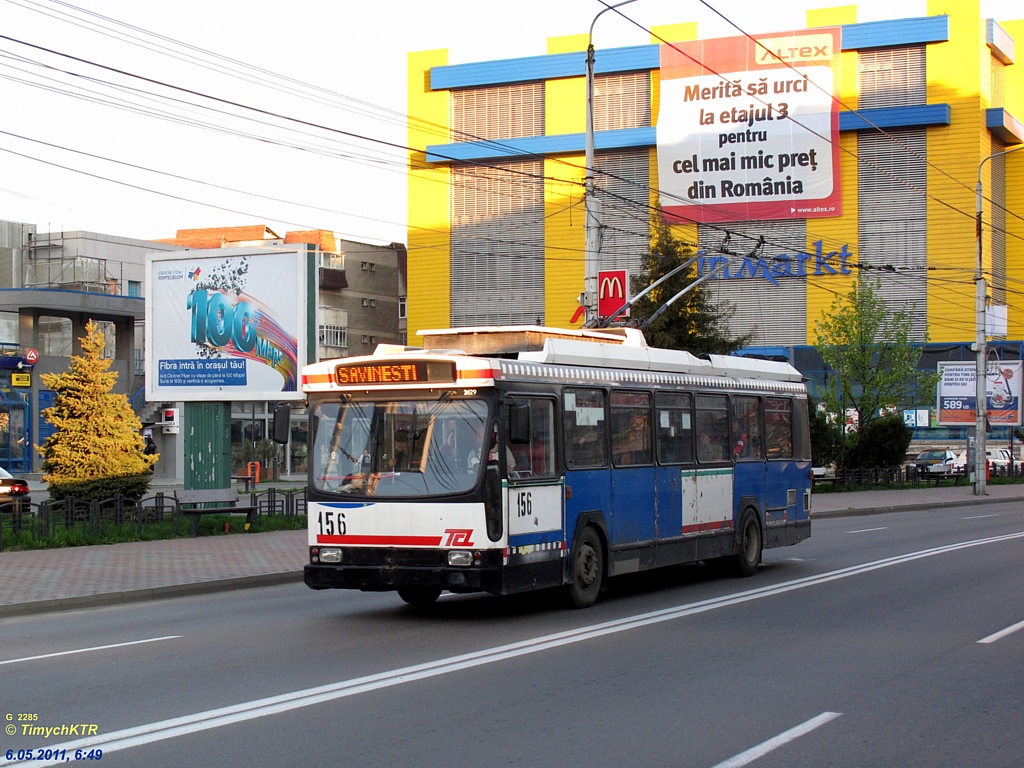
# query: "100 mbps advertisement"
225,325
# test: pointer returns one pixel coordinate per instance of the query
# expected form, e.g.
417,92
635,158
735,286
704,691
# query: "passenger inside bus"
708,449
473,458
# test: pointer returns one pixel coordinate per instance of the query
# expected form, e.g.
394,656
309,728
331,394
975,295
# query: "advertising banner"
957,393
749,128
225,324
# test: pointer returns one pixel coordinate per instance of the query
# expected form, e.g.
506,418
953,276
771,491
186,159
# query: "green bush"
132,487
826,439
882,443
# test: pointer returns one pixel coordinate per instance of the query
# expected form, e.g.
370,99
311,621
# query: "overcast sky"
114,149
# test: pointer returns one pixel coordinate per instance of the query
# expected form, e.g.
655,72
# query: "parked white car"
937,461
997,457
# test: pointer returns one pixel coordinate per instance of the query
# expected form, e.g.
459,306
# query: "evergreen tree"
97,448
693,323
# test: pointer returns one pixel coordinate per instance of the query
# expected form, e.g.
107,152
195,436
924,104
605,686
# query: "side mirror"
282,423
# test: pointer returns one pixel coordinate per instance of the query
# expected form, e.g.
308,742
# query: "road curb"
854,511
78,602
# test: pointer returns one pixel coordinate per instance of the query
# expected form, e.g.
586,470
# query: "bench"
247,479
831,480
212,501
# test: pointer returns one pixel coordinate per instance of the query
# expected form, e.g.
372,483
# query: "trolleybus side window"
747,435
801,430
674,428
585,427
778,416
631,428
712,428
535,452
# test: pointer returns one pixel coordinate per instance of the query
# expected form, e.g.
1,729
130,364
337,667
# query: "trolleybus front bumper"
387,569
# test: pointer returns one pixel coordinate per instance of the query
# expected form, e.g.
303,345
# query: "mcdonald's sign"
612,291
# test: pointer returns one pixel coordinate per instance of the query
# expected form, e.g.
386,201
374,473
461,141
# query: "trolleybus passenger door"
634,503
534,492
748,450
787,478
588,487
676,479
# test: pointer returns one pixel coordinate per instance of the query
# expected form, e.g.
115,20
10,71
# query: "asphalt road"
864,646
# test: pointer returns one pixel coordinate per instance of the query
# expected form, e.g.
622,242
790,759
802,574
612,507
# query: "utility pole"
981,344
592,203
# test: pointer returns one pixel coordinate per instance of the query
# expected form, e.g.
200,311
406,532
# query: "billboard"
225,324
958,398
748,127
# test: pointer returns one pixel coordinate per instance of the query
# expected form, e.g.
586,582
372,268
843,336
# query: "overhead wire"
323,128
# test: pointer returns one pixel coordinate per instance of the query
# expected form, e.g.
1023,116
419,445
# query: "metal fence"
909,476
44,520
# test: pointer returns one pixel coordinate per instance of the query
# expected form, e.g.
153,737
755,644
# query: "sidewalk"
44,581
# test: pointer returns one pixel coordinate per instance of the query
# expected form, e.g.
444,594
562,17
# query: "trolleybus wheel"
587,568
750,545
419,596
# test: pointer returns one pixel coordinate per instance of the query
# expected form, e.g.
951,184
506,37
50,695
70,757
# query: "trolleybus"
508,459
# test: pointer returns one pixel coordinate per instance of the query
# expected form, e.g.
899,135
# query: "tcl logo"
459,537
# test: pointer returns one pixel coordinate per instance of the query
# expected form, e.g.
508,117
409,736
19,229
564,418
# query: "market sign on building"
749,128
225,324
957,393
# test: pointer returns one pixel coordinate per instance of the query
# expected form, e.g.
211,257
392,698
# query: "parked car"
997,457
12,488
928,459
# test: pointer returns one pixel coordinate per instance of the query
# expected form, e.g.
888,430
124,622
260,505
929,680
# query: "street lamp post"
981,343
592,204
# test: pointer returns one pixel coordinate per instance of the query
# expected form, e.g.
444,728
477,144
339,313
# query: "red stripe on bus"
383,541
482,373
316,378
700,527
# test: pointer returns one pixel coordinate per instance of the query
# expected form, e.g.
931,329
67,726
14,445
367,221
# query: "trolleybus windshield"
401,448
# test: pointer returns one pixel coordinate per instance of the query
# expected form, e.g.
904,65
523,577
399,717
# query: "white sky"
302,177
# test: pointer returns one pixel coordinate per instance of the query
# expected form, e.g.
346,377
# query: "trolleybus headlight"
460,557
330,555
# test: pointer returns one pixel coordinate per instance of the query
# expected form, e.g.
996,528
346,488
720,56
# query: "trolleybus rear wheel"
750,545
587,568
419,596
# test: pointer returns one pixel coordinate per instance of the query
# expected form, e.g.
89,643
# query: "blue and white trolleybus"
507,459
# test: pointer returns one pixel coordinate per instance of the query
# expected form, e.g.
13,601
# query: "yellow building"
871,171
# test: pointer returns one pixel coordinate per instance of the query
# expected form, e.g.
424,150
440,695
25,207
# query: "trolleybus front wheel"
587,568
419,596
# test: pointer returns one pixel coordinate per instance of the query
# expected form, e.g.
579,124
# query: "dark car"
12,489
927,459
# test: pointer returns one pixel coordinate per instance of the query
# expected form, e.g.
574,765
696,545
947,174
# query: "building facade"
52,283
882,188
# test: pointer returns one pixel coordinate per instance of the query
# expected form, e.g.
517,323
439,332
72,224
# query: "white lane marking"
870,530
272,705
762,749
978,517
1003,633
88,650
